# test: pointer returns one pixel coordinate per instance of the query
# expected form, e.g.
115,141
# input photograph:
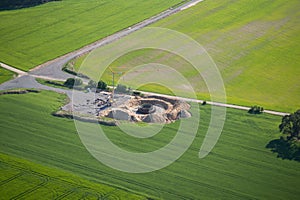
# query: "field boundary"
122,33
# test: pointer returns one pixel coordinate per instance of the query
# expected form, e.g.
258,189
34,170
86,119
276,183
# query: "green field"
5,75
239,167
27,180
254,44
32,36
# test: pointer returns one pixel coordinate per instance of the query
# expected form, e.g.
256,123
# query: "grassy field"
35,35
255,46
27,180
239,167
5,75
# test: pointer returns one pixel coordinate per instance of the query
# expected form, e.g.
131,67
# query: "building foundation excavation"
99,107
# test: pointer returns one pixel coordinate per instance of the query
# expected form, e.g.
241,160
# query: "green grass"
38,34
59,84
239,167
21,178
254,45
5,75
56,84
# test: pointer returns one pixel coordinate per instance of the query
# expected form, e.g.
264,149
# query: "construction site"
125,107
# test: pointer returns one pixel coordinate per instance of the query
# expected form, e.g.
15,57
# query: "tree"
71,82
78,82
16,4
290,126
92,84
101,85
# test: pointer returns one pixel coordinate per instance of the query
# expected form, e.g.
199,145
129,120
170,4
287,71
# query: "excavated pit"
99,107
151,109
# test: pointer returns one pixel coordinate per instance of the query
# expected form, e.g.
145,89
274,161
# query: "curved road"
52,70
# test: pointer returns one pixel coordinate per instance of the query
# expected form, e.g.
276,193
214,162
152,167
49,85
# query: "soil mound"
154,118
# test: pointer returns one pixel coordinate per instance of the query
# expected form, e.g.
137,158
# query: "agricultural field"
5,75
239,167
32,36
27,180
254,44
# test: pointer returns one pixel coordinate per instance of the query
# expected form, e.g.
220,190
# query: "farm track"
28,81
85,168
45,179
11,178
43,183
156,189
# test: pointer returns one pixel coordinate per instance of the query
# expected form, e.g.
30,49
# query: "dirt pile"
153,109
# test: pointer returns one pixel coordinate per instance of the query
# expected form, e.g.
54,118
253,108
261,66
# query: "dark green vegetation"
23,179
5,75
35,35
73,82
68,68
101,85
57,84
16,4
290,126
254,45
239,167
288,146
68,84
256,110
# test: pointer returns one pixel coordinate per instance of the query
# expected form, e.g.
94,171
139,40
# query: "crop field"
26,180
5,75
254,44
239,167
32,36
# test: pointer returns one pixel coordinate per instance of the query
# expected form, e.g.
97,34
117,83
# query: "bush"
121,88
101,85
256,110
71,82
136,93
78,82
54,83
92,84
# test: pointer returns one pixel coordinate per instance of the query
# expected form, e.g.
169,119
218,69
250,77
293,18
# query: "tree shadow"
284,149
18,4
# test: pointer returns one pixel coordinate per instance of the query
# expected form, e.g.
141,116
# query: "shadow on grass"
18,4
284,149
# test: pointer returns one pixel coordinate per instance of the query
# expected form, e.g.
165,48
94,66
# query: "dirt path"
19,72
216,103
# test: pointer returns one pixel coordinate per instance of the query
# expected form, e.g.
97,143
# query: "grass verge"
6,75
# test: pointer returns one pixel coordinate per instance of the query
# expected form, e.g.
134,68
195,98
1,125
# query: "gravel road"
53,69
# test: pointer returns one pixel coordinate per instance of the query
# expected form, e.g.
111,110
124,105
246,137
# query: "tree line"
16,4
